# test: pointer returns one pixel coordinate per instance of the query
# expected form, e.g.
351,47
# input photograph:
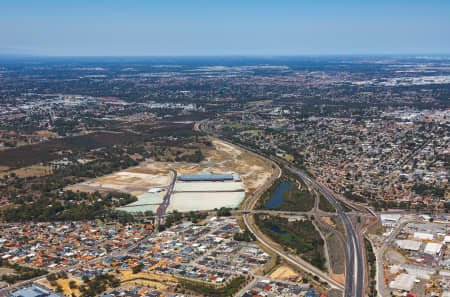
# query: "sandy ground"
64,283
46,133
327,220
135,180
34,170
125,276
6,271
253,170
283,273
394,257
335,293
221,158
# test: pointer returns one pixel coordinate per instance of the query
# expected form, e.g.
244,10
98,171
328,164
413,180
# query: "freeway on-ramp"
355,266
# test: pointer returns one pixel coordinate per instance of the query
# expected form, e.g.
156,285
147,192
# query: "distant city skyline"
214,28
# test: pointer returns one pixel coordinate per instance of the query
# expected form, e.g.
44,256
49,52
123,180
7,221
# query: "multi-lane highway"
165,204
355,268
355,265
296,261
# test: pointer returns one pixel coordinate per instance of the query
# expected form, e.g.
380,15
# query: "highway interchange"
355,263
355,267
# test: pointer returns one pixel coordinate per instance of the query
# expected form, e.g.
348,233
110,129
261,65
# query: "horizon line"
22,55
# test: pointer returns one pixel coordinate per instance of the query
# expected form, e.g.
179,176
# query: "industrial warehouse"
209,177
206,192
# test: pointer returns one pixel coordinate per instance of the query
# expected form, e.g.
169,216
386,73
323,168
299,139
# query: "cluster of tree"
371,260
64,127
429,190
244,236
294,199
354,197
224,212
106,162
176,217
390,204
196,157
300,236
325,205
98,284
53,277
205,289
70,206
21,273
138,268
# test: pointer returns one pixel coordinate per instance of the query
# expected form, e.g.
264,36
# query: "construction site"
222,179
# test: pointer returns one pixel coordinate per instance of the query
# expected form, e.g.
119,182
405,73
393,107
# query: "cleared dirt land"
135,180
220,158
254,170
284,273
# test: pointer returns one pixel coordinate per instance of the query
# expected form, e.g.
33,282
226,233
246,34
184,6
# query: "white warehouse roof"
390,217
423,236
404,282
410,245
433,248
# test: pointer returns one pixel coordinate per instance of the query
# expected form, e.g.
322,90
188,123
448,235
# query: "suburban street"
355,264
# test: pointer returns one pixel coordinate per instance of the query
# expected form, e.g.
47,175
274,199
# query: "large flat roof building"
206,177
403,282
406,244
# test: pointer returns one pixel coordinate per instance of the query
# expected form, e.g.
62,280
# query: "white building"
409,245
419,271
155,190
403,282
389,220
433,248
447,239
423,236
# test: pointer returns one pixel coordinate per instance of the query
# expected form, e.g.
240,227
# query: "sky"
224,27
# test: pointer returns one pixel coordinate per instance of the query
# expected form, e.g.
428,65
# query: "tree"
72,284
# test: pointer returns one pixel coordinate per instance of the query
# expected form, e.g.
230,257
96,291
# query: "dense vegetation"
98,285
21,273
69,206
244,236
300,236
325,205
176,217
371,260
165,134
294,199
205,289
428,190
42,197
224,212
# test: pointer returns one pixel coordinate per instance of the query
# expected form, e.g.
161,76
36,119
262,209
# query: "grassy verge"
371,260
325,205
205,289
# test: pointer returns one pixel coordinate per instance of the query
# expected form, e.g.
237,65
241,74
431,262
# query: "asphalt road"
119,252
382,289
296,261
355,266
165,204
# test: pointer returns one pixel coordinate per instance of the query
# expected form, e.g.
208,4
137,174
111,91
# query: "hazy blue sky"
224,27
